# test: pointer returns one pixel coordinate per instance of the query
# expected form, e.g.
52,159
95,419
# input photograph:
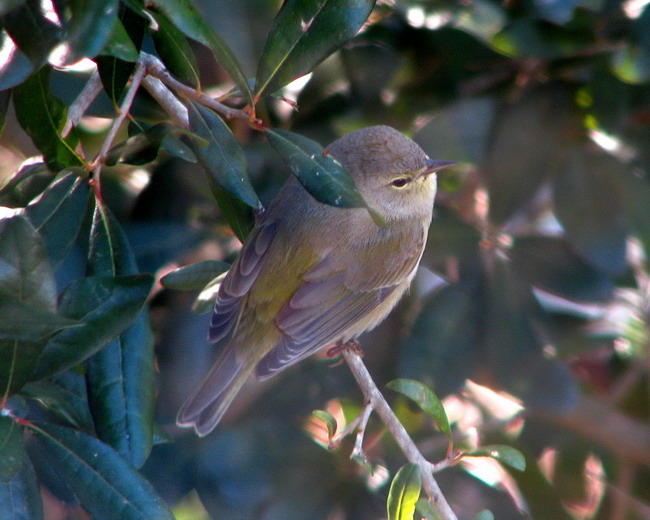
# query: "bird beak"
434,166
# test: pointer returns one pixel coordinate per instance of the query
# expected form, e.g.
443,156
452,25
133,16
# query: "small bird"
312,275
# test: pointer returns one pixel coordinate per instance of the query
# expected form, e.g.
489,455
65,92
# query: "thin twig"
167,100
398,432
91,90
357,451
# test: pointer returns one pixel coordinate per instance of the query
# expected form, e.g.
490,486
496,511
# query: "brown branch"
374,397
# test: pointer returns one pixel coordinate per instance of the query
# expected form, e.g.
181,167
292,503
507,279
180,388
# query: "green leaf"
427,510
321,175
303,34
106,305
5,97
195,276
107,486
17,66
220,154
58,214
426,399
185,17
504,454
11,449
90,26
121,376
208,296
484,515
404,492
141,148
20,320
177,148
120,45
329,421
42,116
175,51
9,5
20,498
26,183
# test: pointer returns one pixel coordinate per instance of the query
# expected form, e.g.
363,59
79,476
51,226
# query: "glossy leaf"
321,175
58,214
5,96
328,420
20,498
141,148
220,154
177,148
589,206
107,486
26,183
120,45
194,276
426,399
175,51
121,376
206,299
404,492
11,448
42,116
106,305
16,68
303,34
20,320
504,454
185,18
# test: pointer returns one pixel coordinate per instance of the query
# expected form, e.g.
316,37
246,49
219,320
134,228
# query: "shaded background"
533,287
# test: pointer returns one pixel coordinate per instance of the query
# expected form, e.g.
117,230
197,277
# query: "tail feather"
206,406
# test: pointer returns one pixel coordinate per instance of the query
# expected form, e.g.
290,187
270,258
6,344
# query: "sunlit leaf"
328,420
194,276
504,454
26,183
303,34
404,492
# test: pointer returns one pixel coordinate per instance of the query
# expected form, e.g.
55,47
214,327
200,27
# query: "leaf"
404,492
589,206
141,148
20,498
329,421
5,97
58,214
321,175
42,116
89,28
303,34
427,510
20,320
426,399
107,305
221,157
206,299
177,148
504,454
121,377
107,486
183,15
11,448
120,45
26,183
195,276
175,51
17,67
484,515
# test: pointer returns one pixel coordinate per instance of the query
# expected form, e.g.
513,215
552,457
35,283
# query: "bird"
311,275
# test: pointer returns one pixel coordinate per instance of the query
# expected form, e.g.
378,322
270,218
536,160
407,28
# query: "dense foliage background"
529,315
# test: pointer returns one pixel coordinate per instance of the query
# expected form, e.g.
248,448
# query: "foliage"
530,317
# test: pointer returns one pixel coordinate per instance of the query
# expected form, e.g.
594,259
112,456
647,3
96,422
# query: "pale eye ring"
400,182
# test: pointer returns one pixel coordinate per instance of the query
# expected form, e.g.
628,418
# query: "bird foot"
339,347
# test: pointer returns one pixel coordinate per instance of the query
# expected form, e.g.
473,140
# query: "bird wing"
340,291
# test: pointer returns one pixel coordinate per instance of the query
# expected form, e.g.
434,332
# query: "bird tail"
206,406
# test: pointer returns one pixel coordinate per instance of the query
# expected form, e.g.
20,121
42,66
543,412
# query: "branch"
378,403
91,90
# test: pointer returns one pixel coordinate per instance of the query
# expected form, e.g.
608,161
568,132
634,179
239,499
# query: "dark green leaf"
58,214
5,96
175,51
556,11
20,498
404,492
426,399
321,175
106,305
16,68
42,116
107,486
303,34
208,296
11,449
184,16
220,154
504,454
9,5
177,148
140,149
589,205
20,320
329,421
32,32
25,184
90,26
121,376
120,45
195,276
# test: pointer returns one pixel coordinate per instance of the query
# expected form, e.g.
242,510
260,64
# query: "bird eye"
400,182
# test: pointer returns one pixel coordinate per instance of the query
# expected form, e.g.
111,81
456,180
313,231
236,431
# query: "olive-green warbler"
311,275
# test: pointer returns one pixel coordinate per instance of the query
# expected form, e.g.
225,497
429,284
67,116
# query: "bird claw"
339,347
